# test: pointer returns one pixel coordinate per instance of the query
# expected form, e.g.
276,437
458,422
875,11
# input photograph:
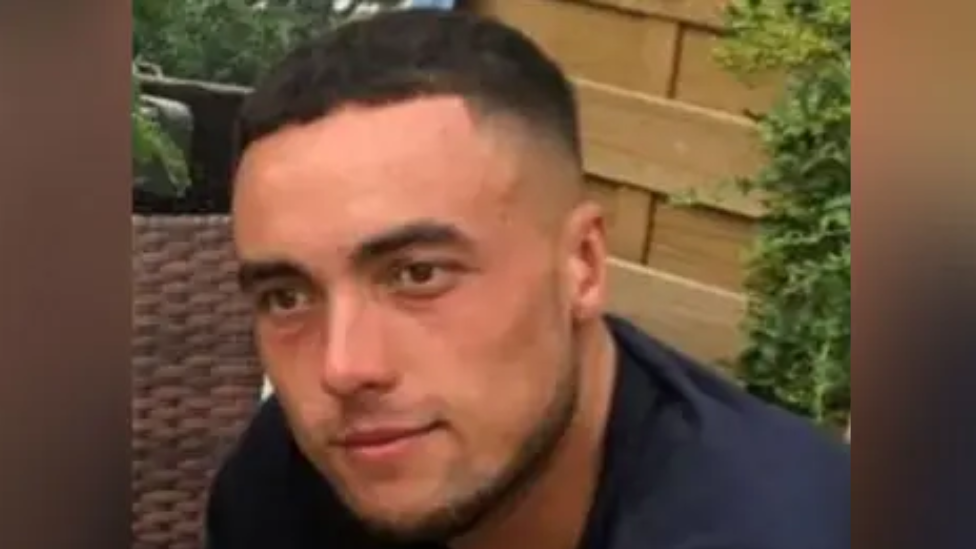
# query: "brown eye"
422,278
283,301
419,273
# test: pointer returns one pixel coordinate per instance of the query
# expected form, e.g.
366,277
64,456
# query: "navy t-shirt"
691,462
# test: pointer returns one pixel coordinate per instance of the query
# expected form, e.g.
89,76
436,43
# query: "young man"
429,287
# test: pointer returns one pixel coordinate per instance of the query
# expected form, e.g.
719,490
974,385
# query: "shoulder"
757,492
265,494
717,466
264,459
249,494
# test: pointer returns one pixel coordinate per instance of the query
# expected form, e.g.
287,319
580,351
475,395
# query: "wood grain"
704,13
668,147
706,245
701,80
701,321
609,46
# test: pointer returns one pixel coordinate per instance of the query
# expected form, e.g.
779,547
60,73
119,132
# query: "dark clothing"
692,462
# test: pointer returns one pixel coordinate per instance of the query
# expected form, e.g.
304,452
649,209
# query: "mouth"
383,443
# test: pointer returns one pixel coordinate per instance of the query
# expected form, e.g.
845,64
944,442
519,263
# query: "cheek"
282,353
290,362
498,401
506,362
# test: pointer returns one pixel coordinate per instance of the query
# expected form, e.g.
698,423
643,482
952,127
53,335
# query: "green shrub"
228,41
158,163
798,322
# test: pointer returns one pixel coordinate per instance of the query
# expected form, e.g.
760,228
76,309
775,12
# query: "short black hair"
406,54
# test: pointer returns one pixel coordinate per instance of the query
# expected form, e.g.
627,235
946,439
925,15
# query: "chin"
408,525
408,513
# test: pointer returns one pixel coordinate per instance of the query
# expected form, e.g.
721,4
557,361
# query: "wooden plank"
698,320
705,245
705,13
701,80
667,146
608,46
627,211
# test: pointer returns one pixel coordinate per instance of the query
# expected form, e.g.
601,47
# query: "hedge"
798,325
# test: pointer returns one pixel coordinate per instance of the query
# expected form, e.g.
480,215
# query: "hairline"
486,116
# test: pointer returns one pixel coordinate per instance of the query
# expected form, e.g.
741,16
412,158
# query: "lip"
382,443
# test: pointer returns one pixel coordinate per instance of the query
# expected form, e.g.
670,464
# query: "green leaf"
159,164
798,317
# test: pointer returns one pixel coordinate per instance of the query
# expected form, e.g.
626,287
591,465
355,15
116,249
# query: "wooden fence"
660,118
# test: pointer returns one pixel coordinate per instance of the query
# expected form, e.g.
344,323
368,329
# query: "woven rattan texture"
196,379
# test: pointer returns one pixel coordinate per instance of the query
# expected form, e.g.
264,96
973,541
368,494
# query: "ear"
587,261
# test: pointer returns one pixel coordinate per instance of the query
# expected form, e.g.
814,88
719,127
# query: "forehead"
334,181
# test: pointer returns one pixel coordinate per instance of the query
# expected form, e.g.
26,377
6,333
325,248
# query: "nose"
353,348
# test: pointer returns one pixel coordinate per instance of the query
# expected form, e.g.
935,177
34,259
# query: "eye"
283,301
423,278
417,273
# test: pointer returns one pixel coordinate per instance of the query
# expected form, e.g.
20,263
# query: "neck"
552,512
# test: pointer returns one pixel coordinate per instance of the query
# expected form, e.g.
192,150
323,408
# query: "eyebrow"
424,233
252,273
410,235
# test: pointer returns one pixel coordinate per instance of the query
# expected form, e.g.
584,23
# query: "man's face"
414,313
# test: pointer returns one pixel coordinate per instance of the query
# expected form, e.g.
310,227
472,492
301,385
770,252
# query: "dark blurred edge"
914,276
64,282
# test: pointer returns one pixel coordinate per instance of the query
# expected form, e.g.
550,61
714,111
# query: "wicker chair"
196,380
